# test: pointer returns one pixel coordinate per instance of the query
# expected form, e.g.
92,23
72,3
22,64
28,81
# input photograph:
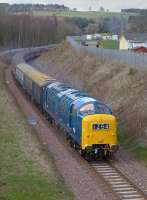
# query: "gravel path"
76,172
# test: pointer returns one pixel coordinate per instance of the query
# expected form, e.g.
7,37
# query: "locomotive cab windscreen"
87,109
94,108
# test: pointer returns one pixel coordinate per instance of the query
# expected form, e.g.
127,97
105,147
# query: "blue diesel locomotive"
88,123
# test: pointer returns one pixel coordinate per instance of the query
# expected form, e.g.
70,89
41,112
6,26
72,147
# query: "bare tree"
26,30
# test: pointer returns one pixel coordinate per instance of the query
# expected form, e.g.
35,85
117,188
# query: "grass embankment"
84,14
26,172
132,146
121,87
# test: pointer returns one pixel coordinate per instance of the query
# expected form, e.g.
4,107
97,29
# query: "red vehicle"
140,50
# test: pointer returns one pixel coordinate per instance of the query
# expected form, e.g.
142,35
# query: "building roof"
141,37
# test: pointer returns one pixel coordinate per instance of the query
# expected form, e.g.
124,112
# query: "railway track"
119,184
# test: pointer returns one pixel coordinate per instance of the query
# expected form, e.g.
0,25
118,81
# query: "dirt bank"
121,87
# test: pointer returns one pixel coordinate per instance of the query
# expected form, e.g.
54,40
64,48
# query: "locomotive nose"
99,131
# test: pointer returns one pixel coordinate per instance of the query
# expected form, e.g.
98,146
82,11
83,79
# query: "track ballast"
119,184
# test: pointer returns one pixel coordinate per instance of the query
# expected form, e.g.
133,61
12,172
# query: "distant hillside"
14,8
83,14
133,10
91,21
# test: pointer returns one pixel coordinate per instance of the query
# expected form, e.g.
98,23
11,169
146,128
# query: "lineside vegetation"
132,146
26,172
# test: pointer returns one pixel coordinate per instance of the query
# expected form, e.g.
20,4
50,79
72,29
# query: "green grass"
141,154
84,14
107,44
132,146
26,171
110,44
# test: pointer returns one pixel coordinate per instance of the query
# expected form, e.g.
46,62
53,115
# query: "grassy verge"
138,151
107,44
110,44
26,172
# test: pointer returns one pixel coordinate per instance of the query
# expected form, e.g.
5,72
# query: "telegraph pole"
98,3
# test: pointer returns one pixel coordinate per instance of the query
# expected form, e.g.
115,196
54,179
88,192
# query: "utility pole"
98,2
94,4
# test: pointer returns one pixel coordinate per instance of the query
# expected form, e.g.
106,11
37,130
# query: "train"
87,123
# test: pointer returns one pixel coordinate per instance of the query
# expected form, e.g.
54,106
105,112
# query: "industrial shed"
132,40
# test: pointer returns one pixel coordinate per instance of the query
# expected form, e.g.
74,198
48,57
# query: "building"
131,41
109,37
98,36
89,37
123,43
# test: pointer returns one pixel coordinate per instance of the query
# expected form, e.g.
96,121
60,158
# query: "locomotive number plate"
100,126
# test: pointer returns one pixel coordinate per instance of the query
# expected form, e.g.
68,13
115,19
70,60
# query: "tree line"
134,10
111,24
14,8
138,23
25,30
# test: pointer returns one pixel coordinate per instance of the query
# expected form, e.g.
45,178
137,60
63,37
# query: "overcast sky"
114,5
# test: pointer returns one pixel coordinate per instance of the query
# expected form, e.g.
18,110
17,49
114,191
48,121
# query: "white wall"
133,45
